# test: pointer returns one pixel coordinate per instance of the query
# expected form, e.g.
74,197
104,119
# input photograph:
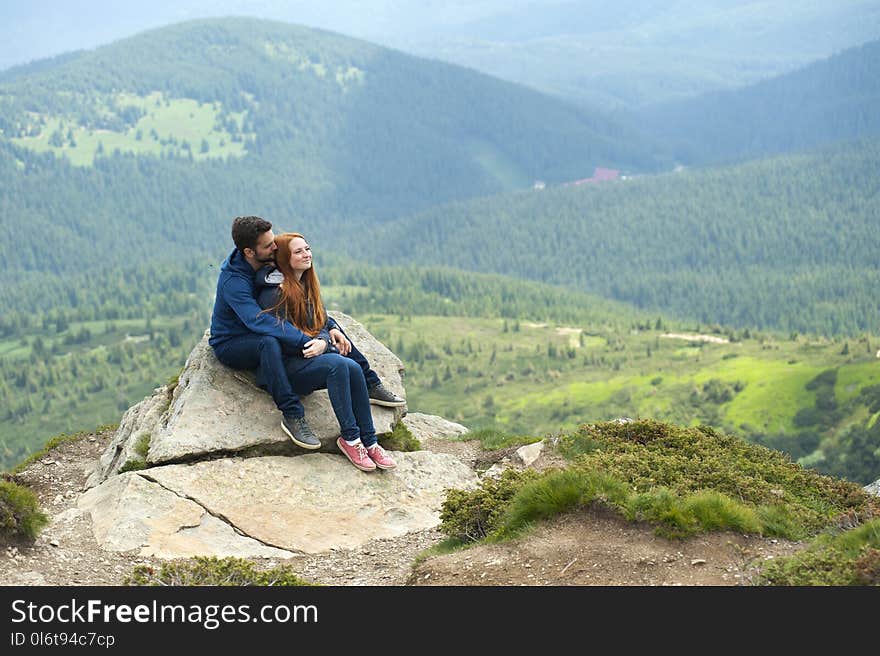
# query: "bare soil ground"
591,547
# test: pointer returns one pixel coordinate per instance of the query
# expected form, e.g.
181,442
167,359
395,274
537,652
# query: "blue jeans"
263,354
346,387
370,376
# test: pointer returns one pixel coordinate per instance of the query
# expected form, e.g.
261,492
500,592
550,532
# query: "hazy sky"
35,29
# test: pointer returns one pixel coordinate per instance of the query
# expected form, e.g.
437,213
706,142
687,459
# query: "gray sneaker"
381,395
298,430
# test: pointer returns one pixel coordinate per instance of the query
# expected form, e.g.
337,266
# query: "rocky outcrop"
873,488
214,474
216,410
427,426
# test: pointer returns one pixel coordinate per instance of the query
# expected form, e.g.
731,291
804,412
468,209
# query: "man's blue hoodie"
236,312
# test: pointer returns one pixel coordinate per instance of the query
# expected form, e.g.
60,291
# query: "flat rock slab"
429,426
271,505
129,512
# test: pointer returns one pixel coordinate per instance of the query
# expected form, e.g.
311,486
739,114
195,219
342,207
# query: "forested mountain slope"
164,137
787,243
830,100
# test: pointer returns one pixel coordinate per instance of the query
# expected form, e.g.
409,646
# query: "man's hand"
340,341
314,347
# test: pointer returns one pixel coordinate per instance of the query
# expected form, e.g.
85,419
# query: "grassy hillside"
815,399
830,100
784,243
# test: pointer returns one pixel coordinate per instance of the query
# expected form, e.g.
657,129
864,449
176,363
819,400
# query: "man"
245,338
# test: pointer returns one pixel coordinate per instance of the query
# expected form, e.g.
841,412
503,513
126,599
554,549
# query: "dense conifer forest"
787,243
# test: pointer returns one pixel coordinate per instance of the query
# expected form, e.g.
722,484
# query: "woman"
323,362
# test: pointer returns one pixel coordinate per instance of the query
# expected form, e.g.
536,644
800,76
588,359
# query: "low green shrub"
209,570
648,454
20,514
400,439
470,515
141,448
685,480
848,558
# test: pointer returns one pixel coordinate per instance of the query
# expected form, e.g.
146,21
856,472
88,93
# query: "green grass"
547,377
203,570
20,515
493,438
851,378
840,558
164,127
764,379
141,448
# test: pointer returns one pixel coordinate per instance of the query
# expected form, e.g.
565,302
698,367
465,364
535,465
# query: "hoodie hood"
268,276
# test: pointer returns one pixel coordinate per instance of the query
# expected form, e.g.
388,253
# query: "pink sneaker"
357,454
380,457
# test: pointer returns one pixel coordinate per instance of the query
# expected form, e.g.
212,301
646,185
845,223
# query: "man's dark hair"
247,229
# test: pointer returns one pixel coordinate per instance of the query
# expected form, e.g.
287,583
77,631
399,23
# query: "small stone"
698,561
54,543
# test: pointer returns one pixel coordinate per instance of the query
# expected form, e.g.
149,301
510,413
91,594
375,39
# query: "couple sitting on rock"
269,317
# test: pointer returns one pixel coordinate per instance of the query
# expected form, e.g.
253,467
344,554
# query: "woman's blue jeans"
346,387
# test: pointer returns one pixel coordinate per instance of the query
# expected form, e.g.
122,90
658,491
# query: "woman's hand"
314,347
340,341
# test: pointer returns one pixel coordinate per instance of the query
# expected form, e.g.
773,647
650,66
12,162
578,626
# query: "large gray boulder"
203,468
873,488
216,410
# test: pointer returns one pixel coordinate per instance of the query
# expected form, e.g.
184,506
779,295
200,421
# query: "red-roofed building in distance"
599,175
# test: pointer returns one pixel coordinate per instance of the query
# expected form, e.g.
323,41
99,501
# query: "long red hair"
297,297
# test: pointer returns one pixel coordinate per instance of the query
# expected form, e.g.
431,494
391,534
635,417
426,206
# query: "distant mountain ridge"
604,55
830,100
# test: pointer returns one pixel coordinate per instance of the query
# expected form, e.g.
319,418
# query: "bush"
684,479
648,454
204,570
556,492
469,516
400,439
20,514
848,558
